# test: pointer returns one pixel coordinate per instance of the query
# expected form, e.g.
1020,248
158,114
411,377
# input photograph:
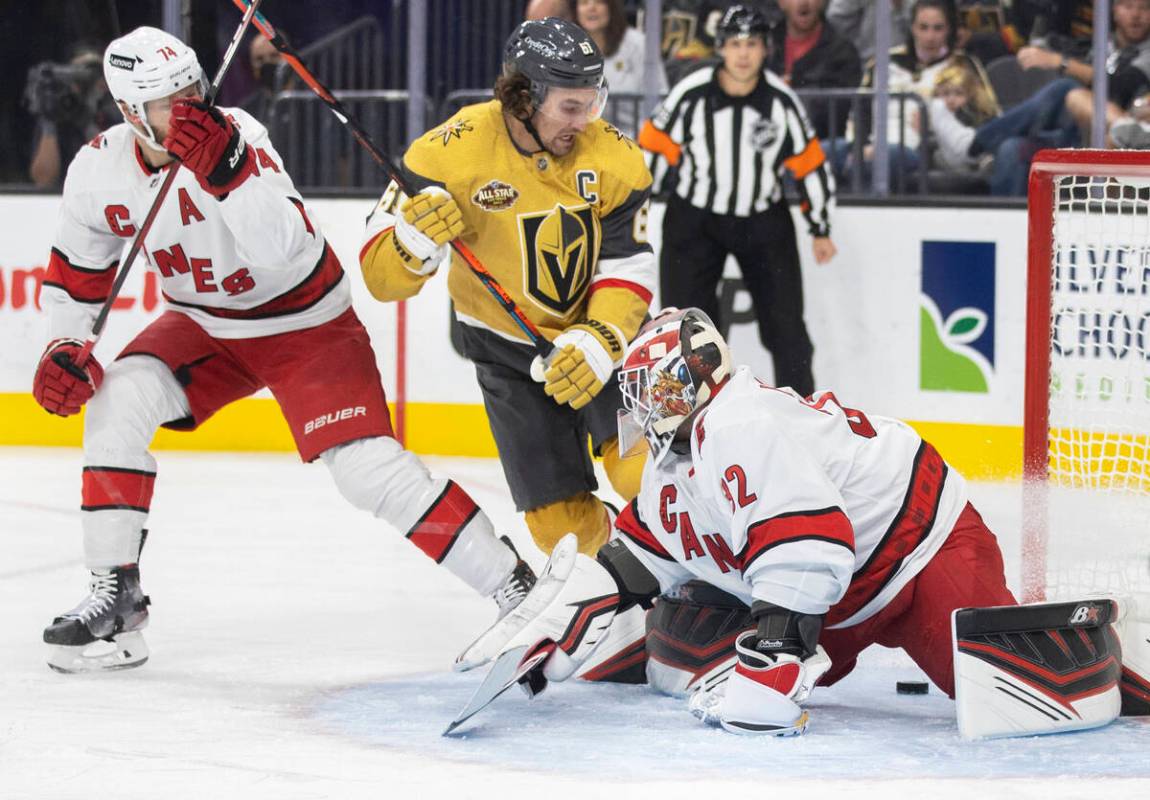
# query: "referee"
731,129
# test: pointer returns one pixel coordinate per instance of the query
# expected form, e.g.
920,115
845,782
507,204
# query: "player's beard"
563,142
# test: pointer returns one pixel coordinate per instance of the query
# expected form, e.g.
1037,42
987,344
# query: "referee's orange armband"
657,141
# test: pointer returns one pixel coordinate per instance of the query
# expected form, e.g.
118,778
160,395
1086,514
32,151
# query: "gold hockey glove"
584,358
424,226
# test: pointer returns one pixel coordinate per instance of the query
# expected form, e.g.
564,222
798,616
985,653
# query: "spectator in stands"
1039,122
71,104
855,20
809,54
689,28
1128,64
1054,22
541,9
264,60
1132,130
984,30
930,48
960,105
624,52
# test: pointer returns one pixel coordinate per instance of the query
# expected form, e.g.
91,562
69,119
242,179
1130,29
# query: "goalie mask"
671,370
149,65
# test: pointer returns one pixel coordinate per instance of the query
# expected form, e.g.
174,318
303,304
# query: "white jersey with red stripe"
251,263
797,502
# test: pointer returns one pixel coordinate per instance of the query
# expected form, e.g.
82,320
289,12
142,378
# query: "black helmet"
553,52
740,21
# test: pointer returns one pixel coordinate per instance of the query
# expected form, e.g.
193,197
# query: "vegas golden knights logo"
559,251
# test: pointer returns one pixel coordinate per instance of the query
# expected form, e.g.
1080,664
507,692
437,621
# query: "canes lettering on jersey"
247,264
830,511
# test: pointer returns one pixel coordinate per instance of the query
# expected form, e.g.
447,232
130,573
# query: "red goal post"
1086,431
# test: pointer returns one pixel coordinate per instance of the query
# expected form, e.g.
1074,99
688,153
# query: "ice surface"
301,649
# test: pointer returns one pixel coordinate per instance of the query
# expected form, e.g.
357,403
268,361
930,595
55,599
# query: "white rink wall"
865,310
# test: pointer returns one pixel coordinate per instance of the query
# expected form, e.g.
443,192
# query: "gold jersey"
565,236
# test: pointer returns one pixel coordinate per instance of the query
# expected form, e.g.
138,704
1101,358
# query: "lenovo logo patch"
122,62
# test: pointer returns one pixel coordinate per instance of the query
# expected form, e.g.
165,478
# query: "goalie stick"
509,669
506,302
169,179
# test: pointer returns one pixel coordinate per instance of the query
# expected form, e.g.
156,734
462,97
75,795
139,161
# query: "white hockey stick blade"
507,670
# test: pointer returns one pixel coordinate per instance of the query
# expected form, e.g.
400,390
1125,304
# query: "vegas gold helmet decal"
560,248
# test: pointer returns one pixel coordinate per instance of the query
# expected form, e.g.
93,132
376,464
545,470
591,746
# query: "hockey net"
1086,489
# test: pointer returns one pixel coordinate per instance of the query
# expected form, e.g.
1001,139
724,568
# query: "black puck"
912,687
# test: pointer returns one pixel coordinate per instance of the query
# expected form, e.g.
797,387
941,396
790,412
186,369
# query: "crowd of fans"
978,86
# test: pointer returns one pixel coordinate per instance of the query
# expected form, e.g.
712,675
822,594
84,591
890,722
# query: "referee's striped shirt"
731,151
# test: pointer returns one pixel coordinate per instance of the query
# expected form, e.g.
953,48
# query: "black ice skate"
512,591
103,632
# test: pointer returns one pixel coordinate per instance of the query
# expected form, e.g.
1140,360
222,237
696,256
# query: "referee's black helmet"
740,21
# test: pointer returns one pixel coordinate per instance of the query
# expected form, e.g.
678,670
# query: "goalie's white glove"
424,226
776,668
572,606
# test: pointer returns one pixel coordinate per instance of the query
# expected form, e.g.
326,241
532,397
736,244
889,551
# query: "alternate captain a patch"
559,247
450,130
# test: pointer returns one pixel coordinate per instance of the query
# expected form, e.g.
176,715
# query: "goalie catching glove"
424,226
584,358
777,665
60,386
571,606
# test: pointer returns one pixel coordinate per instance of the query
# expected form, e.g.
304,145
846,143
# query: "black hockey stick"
146,225
506,302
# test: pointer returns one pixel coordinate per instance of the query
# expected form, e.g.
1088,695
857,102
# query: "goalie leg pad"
691,638
1134,632
1032,669
622,657
572,605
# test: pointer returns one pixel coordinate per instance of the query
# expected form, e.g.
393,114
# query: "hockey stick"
169,179
542,345
517,665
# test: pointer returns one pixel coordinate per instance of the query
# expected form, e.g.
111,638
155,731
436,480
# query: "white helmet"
149,64
671,370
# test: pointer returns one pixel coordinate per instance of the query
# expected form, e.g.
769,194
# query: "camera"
64,93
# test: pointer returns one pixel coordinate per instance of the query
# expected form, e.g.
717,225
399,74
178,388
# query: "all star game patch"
495,196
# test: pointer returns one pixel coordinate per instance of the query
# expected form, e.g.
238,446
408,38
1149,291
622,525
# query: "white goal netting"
1098,489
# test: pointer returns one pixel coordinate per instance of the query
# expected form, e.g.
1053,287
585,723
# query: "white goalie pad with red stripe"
1034,669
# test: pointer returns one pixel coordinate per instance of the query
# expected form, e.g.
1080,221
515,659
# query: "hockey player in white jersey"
835,529
255,298
826,531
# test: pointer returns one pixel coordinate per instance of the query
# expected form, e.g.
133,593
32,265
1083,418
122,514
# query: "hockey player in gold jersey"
553,202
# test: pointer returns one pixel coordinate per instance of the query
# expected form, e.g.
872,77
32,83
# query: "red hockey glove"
60,386
208,144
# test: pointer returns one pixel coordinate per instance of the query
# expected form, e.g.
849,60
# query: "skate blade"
125,651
